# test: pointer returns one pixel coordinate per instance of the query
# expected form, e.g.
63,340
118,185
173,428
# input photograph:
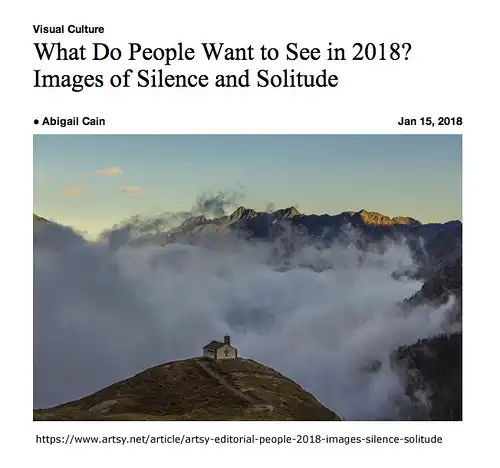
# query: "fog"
105,312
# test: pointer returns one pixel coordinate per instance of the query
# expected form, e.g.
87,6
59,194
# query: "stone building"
217,350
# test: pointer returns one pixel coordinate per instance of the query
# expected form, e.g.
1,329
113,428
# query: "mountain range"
433,245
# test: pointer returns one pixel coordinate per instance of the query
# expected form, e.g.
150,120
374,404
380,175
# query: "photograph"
247,277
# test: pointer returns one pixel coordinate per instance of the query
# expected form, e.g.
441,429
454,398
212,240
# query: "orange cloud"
109,171
72,191
131,189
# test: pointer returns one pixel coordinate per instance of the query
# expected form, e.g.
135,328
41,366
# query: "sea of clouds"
105,311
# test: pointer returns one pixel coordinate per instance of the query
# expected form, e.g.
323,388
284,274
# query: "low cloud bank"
102,314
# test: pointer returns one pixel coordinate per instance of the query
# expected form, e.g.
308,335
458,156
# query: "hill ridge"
197,389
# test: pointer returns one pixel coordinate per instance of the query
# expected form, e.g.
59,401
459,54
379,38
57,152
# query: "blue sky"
91,182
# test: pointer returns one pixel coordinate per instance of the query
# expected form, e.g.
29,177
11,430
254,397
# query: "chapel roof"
214,345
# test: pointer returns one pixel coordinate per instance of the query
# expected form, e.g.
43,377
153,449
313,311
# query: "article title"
167,61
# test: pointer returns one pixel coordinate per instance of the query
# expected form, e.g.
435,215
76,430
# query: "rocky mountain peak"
379,219
287,213
242,213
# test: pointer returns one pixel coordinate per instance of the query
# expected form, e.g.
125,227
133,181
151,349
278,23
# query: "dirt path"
256,406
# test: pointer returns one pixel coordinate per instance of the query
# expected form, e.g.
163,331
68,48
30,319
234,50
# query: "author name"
72,121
